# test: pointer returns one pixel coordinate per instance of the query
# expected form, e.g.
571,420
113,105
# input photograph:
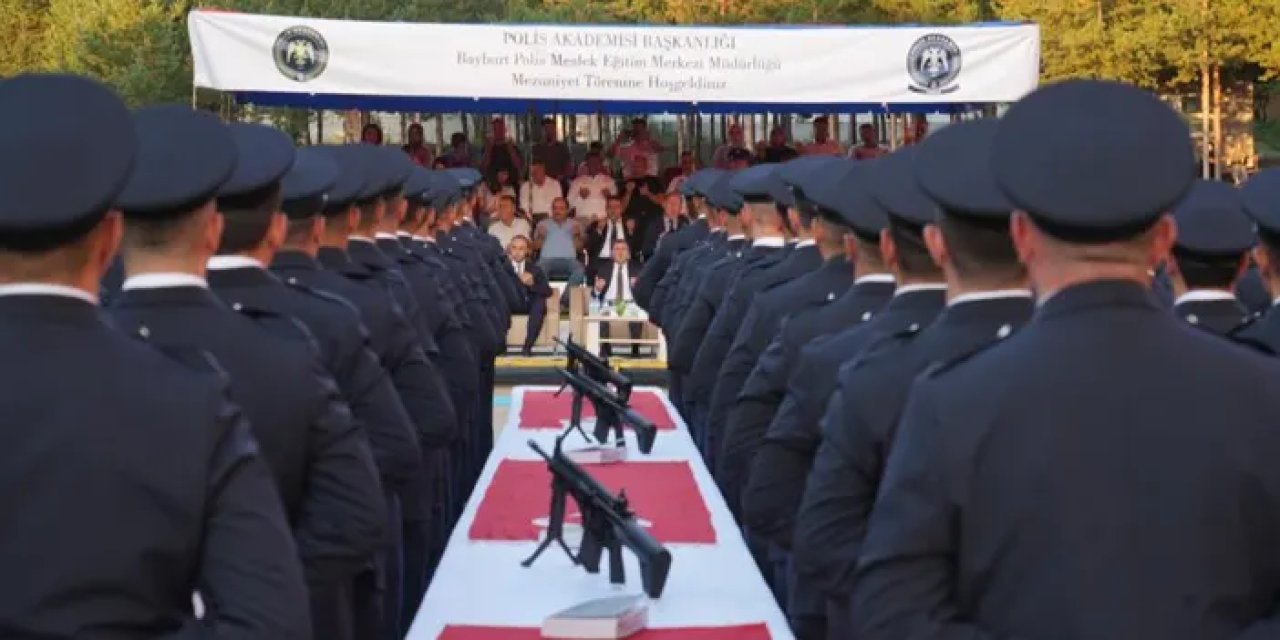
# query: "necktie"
617,286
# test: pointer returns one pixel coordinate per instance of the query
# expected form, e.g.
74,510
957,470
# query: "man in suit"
670,222
614,282
537,290
320,458
1210,256
603,233
134,481
988,301
1095,412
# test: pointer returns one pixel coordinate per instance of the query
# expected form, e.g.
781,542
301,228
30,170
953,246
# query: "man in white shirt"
637,144
538,192
614,283
589,191
823,144
508,226
603,233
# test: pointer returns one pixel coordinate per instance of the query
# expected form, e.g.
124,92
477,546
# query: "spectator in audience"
671,220
918,131
440,164
687,166
559,240
496,187
869,146
822,143
588,192
371,134
500,152
553,153
720,159
507,225
739,159
536,290
602,233
632,145
459,154
417,149
614,278
538,192
641,206
596,148
778,149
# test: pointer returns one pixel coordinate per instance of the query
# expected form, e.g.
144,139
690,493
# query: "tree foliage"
141,48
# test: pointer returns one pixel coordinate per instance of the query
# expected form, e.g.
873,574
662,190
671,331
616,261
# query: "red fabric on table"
741,632
543,410
663,493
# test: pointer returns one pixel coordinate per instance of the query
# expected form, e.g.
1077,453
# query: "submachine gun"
607,525
585,363
612,413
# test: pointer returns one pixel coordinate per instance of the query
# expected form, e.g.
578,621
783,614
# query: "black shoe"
527,352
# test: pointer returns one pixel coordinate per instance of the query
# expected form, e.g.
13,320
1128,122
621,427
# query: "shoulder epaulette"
354,272
278,324
192,358
942,366
323,295
1244,325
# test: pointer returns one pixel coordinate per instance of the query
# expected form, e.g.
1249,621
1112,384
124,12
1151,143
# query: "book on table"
602,619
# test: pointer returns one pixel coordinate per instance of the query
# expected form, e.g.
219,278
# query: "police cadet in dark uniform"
254,229
670,246
1209,256
813,274
147,485
319,457
729,362
684,242
846,194
1260,195
501,279
777,477
988,301
1107,472
707,295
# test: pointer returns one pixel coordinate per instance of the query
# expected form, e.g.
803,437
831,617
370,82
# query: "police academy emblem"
301,53
933,63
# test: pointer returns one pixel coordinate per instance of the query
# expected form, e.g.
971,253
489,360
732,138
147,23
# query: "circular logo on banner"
934,64
301,53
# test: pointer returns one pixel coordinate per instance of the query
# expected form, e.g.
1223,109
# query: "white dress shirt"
979,296
46,289
163,280
909,288
537,198
218,263
593,206
615,293
1205,295
613,230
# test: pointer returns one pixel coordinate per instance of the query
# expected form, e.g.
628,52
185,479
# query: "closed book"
603,619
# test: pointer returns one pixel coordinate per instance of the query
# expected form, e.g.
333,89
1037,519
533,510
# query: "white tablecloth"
482,583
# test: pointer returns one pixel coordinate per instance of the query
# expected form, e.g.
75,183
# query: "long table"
481,583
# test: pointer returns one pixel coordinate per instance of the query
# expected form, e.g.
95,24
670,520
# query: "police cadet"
1110,470
1260,195
139,482
501,278
841,190
705,296
988,300
670,246
725,356
778,473
319,457
1210,255
813,274
254,229
682,243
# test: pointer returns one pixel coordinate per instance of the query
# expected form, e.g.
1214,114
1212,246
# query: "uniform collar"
875,277
737,236
776,242
163,280
366,239
1205,295
911,288
383,235
806,243
979,296
219,263
46,289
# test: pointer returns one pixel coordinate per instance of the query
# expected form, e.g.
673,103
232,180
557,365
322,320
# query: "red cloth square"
740,632
543,410
662,493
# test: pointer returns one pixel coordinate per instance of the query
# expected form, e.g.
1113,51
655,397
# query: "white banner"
753,65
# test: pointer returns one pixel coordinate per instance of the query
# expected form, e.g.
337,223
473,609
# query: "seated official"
536,289
558,240
602,234
614,281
